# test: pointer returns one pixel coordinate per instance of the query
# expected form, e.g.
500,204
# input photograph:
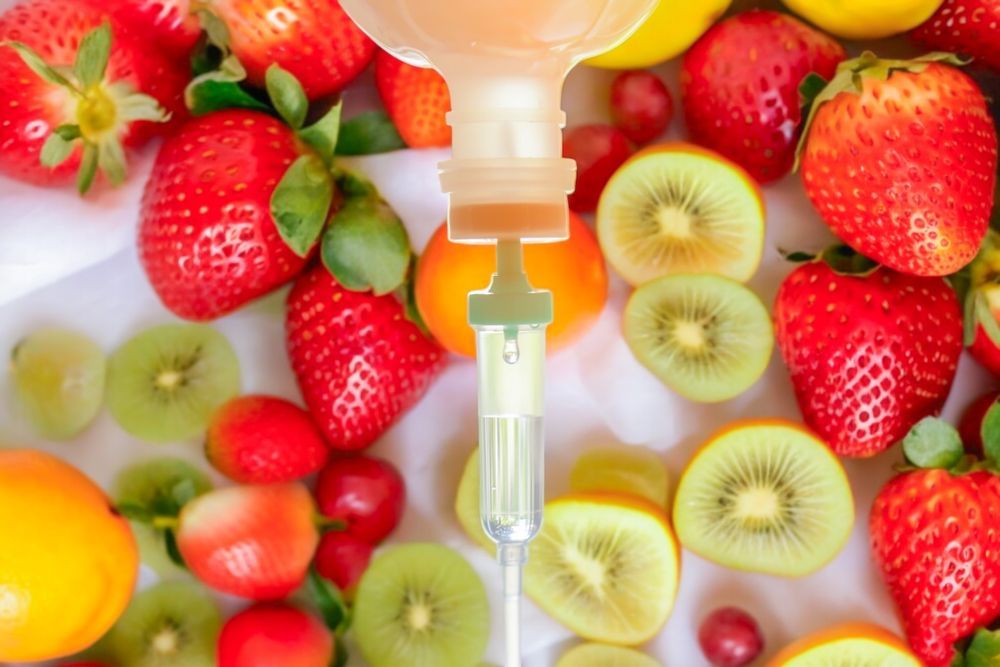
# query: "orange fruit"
68,561
573,270
855,644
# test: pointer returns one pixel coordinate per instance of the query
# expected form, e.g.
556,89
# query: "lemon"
864,19
673,26
467,504
68,561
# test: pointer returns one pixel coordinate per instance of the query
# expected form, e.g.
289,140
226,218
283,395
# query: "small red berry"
264,440
274,635
641,106
730,637
367,493
598,150
343,558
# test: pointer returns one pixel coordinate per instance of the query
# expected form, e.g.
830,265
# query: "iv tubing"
512,558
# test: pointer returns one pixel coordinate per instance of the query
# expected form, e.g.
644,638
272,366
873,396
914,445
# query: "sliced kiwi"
467,504
602,655
165,383
605,566
706,337
159,487
681,209
635,471
421,605
765,497
59,381
174,624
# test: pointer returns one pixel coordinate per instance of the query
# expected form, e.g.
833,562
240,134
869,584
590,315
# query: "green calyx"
982,650
100,111
814,91
933,443
979,288
842,259
990,432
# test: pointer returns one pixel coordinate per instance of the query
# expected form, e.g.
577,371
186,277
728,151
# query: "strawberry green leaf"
210,95
366,246
39,66
215,29
797,257
846,261
407,294
368,134
330,603
301,203
173,551
92,56
341,654
990,431
55,151
933,443
810,88
984,318
68,132
322,136
88,168
111,161
135,512
984,651
287,95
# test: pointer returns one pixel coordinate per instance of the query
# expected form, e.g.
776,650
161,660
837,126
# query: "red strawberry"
105,110
971,425
934,537
169,24
367,493
968,27
275,635
740,87
343,558
315,40
359,362
264,440
416,99
252,541
207,237
902,166
869,355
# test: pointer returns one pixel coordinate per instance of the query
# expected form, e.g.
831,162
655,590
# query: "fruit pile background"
73,263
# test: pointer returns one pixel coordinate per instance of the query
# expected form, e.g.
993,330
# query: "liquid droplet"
511,352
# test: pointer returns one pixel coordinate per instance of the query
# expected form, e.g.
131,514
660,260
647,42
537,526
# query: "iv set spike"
507,184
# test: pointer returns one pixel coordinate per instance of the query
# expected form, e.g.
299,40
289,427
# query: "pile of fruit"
248,195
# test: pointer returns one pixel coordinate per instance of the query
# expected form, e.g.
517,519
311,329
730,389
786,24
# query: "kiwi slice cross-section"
765,497
165,383
174,624
421,605
706,337
678,208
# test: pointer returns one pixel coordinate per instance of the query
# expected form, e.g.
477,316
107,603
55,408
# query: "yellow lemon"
668,32
68,562
864,19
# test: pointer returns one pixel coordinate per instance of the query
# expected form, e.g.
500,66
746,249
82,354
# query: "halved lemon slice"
634,471
858,645
605,566
602,655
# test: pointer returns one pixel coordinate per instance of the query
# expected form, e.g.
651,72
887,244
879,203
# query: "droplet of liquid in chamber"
511,352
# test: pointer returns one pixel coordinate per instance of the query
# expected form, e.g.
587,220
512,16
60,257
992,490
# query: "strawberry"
275,635
315,40
416,100
170,24
251,541
740,87
934,538
236,203
79,90
969,27
264,440
359,362
900,161
869,353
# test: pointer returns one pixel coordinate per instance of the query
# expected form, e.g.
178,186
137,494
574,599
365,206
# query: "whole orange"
573,270
68,561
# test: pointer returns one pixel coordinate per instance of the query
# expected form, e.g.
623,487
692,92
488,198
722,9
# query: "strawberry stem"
165,522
